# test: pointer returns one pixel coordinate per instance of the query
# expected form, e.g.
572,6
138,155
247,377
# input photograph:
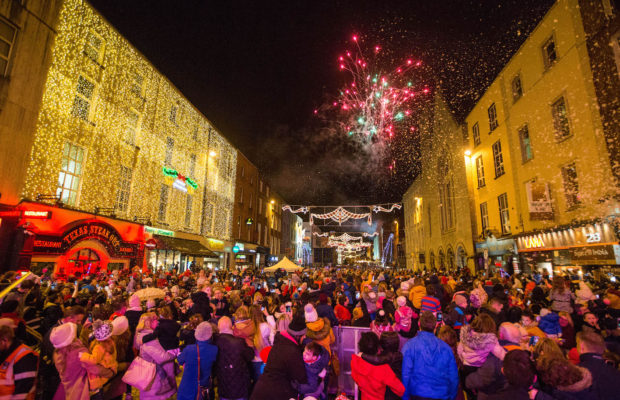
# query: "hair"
145,319
483,323
566,316
369,343
242,313
258,318
165,312
342,299
519,369
430,290
558,284
7,333
381,318
558,372
514,314
592,341
448,335
194,321
547,348
314,348
428,321
389,342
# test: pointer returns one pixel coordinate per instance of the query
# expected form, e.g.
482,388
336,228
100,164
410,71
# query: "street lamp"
467,153
212,153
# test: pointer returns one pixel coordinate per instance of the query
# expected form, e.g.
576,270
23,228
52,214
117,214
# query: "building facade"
438,233
542,172
245,213
113,139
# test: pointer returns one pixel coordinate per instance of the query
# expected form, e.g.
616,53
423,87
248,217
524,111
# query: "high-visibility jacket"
7,378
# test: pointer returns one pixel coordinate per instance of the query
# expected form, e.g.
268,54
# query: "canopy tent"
286,265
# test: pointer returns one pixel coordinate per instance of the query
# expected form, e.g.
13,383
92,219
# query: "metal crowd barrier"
344,347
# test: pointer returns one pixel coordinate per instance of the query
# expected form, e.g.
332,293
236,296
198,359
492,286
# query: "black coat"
511,393
201,305
232,366
606,379
284,365
488,379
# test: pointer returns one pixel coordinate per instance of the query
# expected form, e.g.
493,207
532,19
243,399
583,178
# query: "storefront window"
83,262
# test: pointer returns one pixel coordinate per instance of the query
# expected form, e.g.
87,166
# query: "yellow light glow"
467,153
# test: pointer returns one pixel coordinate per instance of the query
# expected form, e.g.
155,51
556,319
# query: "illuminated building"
542,169
438,233
114,140
245,213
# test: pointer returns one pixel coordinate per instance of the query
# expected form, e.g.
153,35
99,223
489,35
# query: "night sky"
258,69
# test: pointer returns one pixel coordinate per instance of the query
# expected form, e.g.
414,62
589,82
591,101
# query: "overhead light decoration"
178,181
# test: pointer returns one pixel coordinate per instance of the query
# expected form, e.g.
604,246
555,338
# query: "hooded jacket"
550,324
580,390
429,368
164,385
313,387
188,388
374,379
201,305
415,295
606,378
321,332
395,361
474,347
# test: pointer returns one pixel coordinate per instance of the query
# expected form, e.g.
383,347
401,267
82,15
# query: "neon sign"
533,242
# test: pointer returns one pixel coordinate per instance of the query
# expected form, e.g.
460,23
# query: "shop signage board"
586,236
158,231
99,231
539,200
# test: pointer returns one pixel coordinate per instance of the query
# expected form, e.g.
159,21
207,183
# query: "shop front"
494,254
170,250
589,248
243,255
72,243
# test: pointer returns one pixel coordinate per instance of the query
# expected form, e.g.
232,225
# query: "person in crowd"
188,330
373,379
198,360
220,303
324,310
316,360
429,369
562,380
560,296
455,315
18,366
520,374
567,326
342,312
389,343
431,302
102,351
528,321
494,308
417,292
606,378
381,324
319,329
510,336
232,362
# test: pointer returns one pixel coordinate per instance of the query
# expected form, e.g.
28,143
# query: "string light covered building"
115,144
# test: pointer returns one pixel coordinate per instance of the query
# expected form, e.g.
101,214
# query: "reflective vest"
7,378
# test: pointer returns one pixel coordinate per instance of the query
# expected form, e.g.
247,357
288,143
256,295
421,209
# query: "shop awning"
185,246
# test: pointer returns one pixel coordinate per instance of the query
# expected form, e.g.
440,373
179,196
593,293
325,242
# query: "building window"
137,84
526,146
7,39
94,47
169,150
133,123
239,227
480,172
124,189
251,201
560,119
504,214
517,88
70,174
260,232
173,113
446,206
241,195
83,98
243,171
492,112
188,210
550,55
498,159
476,134
163,202
484,217
192,165
571,185
260,206
260,186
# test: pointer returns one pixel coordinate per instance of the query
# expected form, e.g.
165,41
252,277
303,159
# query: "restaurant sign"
99,231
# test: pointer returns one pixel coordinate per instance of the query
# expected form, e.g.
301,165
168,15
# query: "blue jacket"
429,368
550,324
188,389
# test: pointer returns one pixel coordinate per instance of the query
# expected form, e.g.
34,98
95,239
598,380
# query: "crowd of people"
246,335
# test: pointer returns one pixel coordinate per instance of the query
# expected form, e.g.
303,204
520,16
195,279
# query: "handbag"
203,391
140,374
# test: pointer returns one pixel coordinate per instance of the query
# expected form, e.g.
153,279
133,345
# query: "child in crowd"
102,352
316,360
381,324
404,318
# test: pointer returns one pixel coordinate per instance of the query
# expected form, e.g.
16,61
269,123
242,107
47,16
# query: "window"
526,146
549,53
7,39
504,214
243,171
137,84
498,160
192,165
163,202
480,172
476,134
241,195
446,206
571,185
70,174
124,189
188,210
430,220
517,88
260,206
133,122
173,113
484,217
169,150
83,98
251,201
492,112
260,231
266,190
94,47
260,186
560,119
239,227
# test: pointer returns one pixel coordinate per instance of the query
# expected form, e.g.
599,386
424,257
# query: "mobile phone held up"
288,309
534,341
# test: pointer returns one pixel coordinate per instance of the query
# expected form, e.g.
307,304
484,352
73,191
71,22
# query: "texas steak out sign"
102,232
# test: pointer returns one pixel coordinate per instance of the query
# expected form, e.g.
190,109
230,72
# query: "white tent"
286,265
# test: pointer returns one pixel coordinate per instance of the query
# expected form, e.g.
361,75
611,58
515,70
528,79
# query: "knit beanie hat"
401,301
134,301
404,286
297,327
63,335
102,330
310,313
120,325
203,332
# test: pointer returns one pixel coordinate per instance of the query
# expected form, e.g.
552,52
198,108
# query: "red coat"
373,379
